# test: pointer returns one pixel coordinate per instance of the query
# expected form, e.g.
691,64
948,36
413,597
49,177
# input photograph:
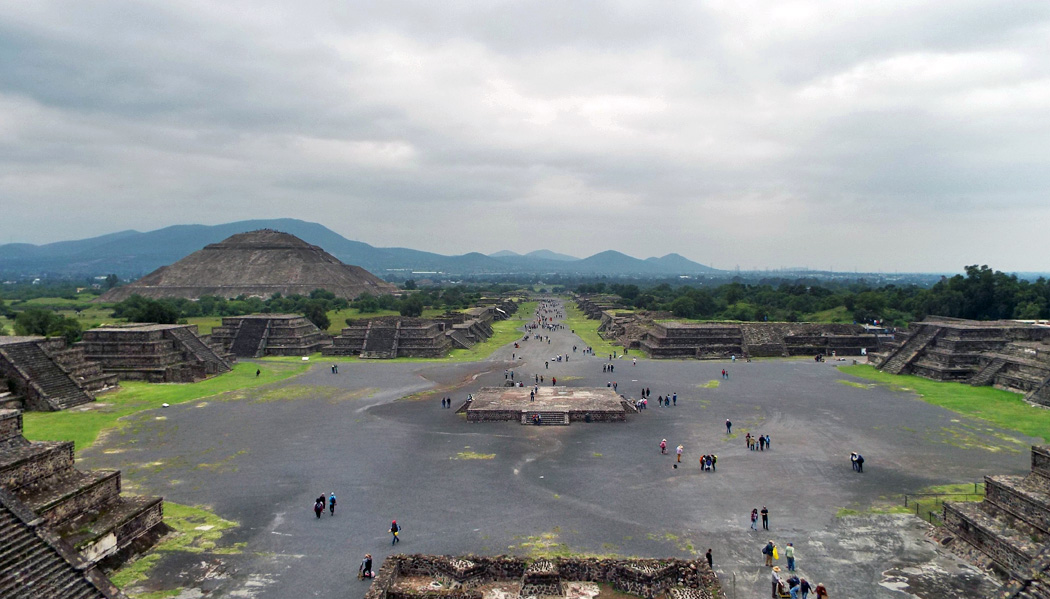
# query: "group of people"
446,402
320,503
858,461
754,443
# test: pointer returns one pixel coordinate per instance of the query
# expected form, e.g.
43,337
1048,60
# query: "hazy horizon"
848,136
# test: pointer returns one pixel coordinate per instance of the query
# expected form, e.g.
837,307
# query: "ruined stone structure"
551,406
85,509
158,353
1010,355
1008,532
44,374
391,337
258,335
660,338
256,264
460,577
399,336
36,564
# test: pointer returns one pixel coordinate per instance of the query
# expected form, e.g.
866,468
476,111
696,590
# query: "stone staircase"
85,508
54,387
898,360
250,336
762,341
1009,529
381,342
460,339
198,349
547,418
34,564
986,375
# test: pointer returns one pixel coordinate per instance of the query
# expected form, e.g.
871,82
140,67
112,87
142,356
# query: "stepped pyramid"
86,509
1009,531
44,375
256,264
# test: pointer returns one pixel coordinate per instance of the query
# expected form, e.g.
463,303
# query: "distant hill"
131,254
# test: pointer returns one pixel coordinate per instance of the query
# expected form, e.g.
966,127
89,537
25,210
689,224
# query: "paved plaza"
374,436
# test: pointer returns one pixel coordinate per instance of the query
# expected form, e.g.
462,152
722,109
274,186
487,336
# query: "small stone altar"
550,405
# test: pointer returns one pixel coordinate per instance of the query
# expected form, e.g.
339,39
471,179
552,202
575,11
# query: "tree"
410,284
412,306
316,313
111,281
37,321
366,303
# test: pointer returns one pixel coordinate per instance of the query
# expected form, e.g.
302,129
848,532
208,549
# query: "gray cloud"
890,135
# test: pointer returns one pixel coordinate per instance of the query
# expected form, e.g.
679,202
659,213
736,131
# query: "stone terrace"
1010,355
460,577
85,508
158,353
260,335
554,405
392,337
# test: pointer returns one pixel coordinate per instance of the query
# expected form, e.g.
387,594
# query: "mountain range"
133,254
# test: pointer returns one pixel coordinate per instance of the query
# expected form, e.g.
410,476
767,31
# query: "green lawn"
1002,408
83,427
205,323
587,330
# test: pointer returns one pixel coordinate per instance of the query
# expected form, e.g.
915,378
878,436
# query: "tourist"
365,569
765,518
679,452
761,443
789,553
710,559
319,507
714,462
804,588
820,591
394,529
747,440
674,398
754,519
257,373
769,444
331,503
777,581
554,380
768,552
663,446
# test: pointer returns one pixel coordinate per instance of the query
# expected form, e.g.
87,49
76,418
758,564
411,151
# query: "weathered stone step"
1010,494
21,466
113,526
994,536
71,496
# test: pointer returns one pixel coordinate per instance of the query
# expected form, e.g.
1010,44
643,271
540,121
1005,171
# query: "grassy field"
205,323
587,330
83,427
1002,408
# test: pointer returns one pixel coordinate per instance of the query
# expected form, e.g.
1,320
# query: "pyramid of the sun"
256,264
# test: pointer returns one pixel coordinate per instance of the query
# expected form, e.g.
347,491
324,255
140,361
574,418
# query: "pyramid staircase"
51,387
541,579
250,338
381,342
547,418
204,353
986,375
35,564
897,360
85,508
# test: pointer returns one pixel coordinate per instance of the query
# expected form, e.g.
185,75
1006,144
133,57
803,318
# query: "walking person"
710,559
754,519
319,507
765,518
331,503
663,446
394,529
679,452
365,569
729,426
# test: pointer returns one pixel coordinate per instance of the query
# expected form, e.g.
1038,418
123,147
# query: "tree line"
980,294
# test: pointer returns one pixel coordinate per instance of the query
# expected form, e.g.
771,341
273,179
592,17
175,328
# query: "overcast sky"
869,135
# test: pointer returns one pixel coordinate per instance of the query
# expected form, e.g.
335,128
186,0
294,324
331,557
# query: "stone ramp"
381,342
34,564
898,360
55,387
199,350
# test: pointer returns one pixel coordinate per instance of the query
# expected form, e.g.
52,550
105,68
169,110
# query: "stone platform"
553,405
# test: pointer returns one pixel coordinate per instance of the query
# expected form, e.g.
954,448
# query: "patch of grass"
473,455
838,314
83,426
1002,408
597,455
855,384
712,384
205,324
196,531
587,330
